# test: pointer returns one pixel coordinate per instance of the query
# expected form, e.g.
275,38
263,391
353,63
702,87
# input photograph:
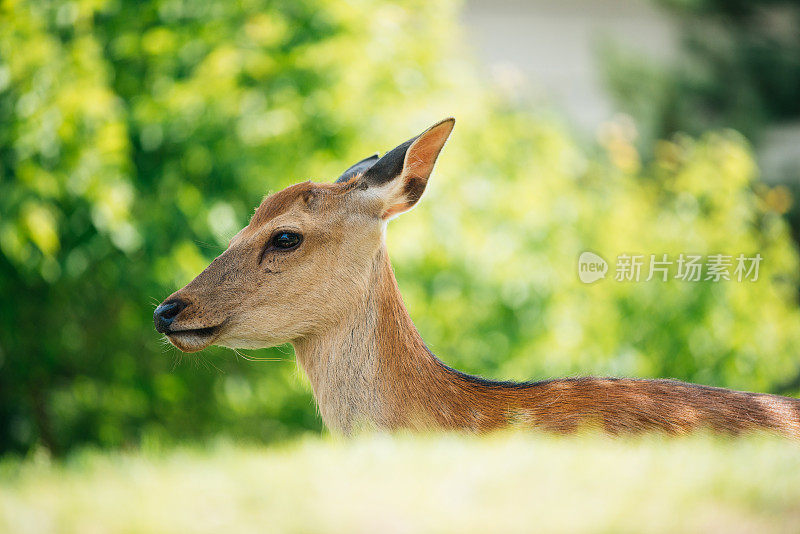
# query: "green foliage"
503,483
738,67
136,138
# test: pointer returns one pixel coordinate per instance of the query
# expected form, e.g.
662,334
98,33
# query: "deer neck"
372,369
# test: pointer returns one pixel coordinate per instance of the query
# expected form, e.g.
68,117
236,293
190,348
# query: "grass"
384,484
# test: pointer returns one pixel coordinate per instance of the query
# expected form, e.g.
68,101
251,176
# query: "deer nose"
166,312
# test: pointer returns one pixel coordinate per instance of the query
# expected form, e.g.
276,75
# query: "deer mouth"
193,339
202,332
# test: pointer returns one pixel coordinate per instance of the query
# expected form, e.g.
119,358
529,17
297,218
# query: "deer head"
305,258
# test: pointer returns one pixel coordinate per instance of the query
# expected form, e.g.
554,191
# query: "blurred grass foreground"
504,483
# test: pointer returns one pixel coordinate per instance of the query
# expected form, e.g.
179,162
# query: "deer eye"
286,240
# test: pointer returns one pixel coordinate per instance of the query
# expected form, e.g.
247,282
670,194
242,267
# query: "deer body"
367,363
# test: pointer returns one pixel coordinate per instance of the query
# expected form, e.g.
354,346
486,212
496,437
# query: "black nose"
166,312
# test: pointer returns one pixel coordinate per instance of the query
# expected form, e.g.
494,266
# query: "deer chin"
233,342
193,340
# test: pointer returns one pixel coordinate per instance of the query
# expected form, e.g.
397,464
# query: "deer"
312,269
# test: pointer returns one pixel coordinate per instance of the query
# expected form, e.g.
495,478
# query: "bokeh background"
137,137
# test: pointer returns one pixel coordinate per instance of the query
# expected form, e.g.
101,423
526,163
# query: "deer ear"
358,168
402,173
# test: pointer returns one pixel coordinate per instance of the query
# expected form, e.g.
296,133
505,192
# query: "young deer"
311,268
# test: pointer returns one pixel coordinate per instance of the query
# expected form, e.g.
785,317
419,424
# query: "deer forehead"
298,205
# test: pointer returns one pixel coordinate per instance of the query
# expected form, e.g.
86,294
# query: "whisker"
257,359
166,345
177,361
204,244
209,362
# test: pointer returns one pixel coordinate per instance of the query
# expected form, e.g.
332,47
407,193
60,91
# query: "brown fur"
335,298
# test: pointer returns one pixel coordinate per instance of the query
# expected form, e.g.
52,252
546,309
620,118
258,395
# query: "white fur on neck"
342,365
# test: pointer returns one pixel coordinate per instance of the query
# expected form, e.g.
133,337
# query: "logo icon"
591,267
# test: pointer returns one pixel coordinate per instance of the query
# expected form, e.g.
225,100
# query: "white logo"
591,267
